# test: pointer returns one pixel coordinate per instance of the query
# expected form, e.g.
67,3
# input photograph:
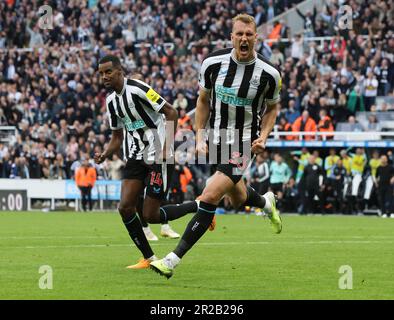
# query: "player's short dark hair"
111,58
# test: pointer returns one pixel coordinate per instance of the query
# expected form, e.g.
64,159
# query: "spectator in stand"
180,102
23,169
354,125
292,114
324,68
309,21
57,169
285,126
277,58
114,167
385,77
5,166
305,123
184,120
297,48
325,125
371,85
373,124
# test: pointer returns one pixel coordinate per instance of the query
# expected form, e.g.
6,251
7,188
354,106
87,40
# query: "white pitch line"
369,237
55,237
205,244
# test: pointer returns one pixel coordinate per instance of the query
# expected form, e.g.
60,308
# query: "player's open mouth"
244,48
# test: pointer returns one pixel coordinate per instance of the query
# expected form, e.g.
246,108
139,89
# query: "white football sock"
172,260
267,205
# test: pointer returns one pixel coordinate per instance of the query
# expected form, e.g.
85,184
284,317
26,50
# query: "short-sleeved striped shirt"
238,93
137,110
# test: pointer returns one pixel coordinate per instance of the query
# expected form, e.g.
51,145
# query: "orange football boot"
142,264
212,226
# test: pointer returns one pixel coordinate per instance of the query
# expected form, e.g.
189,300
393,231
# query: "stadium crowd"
50,89
349,181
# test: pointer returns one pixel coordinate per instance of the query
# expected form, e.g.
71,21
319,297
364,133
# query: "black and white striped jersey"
137,110
238,93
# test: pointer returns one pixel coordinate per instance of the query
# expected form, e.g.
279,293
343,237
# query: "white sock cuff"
173,258
267,202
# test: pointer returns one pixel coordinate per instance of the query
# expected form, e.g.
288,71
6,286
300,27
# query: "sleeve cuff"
203,88
270,102
161,105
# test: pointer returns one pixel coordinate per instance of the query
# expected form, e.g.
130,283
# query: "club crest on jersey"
255,81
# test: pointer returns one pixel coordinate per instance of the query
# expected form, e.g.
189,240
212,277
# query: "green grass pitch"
241,259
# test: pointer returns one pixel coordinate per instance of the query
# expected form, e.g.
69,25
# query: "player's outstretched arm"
171,115
172,120
267,124
202,116
113,146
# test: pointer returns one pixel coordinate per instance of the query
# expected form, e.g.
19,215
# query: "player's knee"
126,211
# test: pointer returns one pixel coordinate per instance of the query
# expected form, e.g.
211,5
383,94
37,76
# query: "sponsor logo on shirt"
229,96
133,125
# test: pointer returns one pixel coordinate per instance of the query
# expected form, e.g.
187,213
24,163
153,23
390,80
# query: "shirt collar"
241,62
124,87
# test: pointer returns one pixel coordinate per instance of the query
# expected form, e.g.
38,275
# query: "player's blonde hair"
245,18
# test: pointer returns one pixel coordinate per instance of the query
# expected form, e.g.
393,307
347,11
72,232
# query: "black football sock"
134,227
254,199
197,226
140,211
176,211
143,222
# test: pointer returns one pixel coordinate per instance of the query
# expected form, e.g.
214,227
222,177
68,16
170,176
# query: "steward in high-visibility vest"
325,125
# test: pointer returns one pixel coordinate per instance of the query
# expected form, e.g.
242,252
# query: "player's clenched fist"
201,148
258,146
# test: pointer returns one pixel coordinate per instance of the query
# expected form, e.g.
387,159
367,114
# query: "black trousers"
385,194
86,195
310,203
338,187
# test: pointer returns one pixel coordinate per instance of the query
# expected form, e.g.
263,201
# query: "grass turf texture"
241,259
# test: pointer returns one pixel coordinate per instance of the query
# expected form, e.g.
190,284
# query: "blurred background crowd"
50,90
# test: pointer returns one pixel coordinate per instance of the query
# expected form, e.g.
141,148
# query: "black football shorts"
157,177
